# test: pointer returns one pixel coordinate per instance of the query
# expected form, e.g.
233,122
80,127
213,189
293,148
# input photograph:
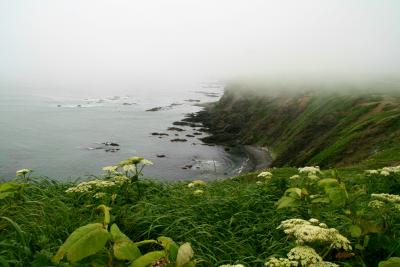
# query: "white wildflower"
305,255
294,177
88,186
313,177
314,221
266,175
395,169
198,192
387,197
146,162
376,204
323,264
280,262
23,172
197,183
371,172
305,232
259,183
230,265
110,169
311,170
120,179
385,173
129,168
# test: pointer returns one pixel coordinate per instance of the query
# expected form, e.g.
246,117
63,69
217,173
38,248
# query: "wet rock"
59,106
160,134
128,104
189,135
178,140
175,129
197,133
155,109
110,144
192,100
160,156
111,150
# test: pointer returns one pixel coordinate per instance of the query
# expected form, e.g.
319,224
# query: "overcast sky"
102,44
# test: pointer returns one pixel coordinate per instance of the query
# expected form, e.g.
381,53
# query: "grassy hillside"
310,127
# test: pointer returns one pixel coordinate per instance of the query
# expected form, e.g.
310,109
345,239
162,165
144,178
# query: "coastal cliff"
309,127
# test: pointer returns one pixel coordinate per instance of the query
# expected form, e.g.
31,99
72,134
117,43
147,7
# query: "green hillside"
310,127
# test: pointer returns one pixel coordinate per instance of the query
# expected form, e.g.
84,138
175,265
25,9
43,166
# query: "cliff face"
311,127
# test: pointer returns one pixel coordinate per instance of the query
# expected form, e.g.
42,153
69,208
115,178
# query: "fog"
100,46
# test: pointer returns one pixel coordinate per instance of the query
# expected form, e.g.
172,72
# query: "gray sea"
62,136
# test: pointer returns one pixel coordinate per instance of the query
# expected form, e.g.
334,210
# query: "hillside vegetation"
310,127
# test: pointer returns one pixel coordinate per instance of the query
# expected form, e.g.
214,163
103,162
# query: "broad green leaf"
355,231
391,262
287,202
185,254
366,241
148,259
83,242
293,192
170,246
190,264
328,182
145,242
117,235
359,247
126,250
337,197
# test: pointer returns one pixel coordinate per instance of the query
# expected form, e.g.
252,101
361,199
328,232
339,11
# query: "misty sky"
101,44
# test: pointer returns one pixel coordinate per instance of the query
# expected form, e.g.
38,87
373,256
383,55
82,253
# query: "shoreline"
259,157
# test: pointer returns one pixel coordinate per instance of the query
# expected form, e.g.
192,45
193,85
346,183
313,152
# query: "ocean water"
61,136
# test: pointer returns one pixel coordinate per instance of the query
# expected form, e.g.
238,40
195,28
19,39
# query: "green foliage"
391,262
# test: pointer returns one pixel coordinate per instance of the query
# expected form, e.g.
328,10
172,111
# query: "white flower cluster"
281,262
198,192
88,186
294,177
386,197
311,170
230,265
386,171
23,172
266,175
110,169
376,204
196,183
120,179
323,264
305,255
314,231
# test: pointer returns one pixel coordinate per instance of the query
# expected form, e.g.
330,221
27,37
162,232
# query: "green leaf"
116,234
355,231
293,192
287,202
170,246
328,182
337,197
185,254
126,250
391,262
148,259
359,247
83,242
145,242
190,264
